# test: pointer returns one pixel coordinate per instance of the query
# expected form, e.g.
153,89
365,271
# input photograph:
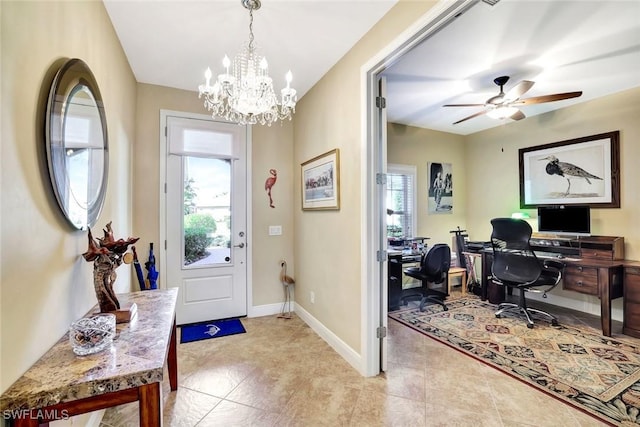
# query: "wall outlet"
275,230
312,297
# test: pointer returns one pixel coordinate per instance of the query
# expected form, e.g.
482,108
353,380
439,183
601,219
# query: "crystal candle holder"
92,334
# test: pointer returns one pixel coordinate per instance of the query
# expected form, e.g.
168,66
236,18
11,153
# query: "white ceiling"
172,42
563,46
592,46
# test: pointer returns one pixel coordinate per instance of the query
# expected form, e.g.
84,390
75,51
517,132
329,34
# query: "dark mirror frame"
71,79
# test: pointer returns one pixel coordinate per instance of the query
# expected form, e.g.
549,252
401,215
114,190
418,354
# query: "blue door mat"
211,329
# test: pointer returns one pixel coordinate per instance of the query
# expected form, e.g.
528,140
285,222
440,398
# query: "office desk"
394,276
602,278
61,384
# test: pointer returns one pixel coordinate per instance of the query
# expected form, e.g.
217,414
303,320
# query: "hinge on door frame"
165,131
381,332
165,188
381,102
165,244
381,178
381,255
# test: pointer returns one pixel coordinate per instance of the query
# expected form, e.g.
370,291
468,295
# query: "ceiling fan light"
502,112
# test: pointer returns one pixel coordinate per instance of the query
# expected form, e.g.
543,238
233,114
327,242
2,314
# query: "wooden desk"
631,324
61,384
599,277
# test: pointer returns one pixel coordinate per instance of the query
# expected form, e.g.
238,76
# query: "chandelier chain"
250,28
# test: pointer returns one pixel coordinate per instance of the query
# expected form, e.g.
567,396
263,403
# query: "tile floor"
280,373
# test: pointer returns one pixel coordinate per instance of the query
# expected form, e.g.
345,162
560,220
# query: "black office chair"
434,268
515,265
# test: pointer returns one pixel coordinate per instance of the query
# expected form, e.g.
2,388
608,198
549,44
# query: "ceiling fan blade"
463,105
518,115
470,117
547,98
518,90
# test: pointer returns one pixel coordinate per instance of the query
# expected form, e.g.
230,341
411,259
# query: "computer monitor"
574,219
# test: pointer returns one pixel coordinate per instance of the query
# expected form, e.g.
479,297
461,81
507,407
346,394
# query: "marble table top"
136,357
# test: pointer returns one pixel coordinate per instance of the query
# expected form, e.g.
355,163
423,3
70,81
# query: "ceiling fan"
504,105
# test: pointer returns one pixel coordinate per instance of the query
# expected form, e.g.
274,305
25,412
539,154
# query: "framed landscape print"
584,171
321,182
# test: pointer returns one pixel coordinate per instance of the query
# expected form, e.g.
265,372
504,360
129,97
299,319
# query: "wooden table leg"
25,422
485,270
463,283
172,359
604,282
150,396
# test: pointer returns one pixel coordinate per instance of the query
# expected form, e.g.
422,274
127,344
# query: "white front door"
206,205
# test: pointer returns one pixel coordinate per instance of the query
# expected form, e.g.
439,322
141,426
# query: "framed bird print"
584,171
321,182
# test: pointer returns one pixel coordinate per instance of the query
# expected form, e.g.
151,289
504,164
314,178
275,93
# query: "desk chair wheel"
432,299
554,321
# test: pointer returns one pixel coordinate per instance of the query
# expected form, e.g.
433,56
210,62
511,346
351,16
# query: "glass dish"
92,334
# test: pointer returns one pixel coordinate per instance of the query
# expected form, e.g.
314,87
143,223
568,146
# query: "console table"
61,384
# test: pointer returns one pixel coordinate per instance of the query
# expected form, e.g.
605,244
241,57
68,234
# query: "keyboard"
551,255
477,246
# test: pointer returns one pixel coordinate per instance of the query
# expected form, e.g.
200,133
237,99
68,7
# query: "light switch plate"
275,230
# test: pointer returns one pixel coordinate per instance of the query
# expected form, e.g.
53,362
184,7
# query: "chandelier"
244,93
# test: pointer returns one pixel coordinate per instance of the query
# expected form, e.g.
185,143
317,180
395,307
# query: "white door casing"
425,26
382,233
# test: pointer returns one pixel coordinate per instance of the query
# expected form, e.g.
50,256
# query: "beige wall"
146,162
327,243
493,156
45,282
272,148
409,145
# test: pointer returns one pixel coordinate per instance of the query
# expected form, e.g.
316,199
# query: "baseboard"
347,353
267,309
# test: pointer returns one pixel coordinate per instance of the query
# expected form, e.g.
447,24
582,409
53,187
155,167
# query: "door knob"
241,245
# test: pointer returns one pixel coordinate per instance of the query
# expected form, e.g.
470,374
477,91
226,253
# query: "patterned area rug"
599,375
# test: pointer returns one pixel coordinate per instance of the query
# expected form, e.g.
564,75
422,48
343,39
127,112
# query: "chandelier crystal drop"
244,92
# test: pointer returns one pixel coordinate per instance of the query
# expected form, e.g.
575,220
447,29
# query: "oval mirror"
77,146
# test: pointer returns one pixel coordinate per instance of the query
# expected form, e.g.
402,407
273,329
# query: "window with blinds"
401,201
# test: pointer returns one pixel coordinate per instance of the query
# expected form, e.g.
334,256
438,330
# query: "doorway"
206,217
374,244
